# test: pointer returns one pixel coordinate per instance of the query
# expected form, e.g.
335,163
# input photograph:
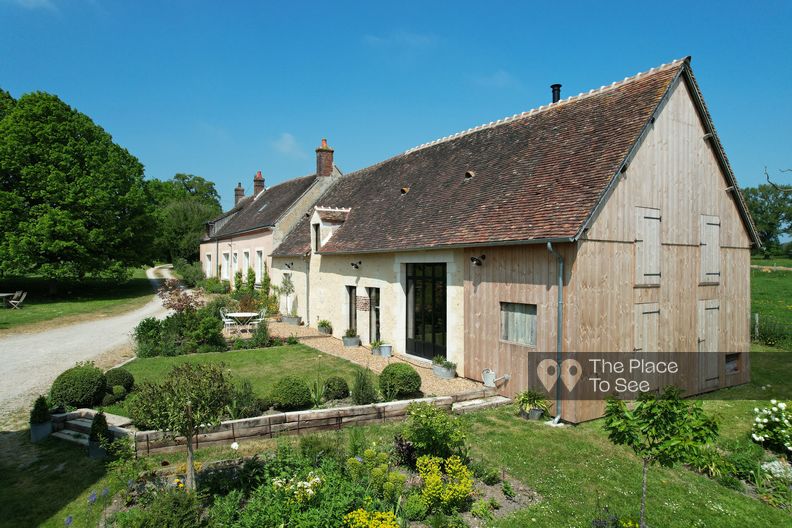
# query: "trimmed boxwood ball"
336,388
80,386
120,376
290,394
398,380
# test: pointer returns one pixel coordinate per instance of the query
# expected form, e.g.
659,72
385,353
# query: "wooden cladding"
647,246
647,327
710,249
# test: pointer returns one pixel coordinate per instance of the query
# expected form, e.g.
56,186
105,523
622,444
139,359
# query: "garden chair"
228,323
257,321
16,302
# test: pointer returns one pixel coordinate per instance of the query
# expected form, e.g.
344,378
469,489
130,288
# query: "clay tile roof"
536,175
262,210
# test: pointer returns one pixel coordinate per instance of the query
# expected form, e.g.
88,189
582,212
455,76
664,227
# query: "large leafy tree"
771,210
182,207
73,202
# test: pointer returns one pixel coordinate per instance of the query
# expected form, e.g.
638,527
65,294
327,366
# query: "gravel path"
430,384
30,362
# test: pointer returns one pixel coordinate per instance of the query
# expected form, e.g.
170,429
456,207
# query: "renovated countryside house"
244,237
608,221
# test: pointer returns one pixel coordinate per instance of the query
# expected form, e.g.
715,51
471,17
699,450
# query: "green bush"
433,431
99,429
214,285
363,391
415,507
485,473
399,380
290,394
745,457
81,386
336,388
317,447
40,412
191,274
148,337
185,332
120,376
244,402
170,508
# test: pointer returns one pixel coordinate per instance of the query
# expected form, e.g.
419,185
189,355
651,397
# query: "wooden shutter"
708,331
647,246
646,327
710,249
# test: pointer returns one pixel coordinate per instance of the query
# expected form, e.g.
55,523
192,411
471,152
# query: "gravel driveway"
30,362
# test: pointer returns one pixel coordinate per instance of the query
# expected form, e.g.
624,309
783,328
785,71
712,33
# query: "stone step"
483,392
83,425
480,403
72,436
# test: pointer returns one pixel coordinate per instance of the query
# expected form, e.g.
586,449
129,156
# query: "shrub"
433,431
170,508
483,508
261,337
99,429
531,399
363,391
773,426
399,380
108,399
447,484
40,412
441,361
351,332
316,448
326,325
148,337
291,393
373,470
81,386
745,457
244,403
120,376
214,285
487,474
441,520
414,507
709,461
336,388
238,284
404,451
191,274
361,518
508,490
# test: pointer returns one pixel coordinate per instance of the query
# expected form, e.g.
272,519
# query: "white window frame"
245,262
209,270
259,265
225,270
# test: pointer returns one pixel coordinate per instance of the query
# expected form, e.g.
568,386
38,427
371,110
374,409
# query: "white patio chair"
258,320
228,323
17,302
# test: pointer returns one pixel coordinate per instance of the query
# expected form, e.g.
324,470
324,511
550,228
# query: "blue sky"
222,89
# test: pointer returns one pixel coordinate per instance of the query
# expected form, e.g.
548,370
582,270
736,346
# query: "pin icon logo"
548,372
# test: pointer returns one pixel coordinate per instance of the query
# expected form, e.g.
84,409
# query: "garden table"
6,297
242,318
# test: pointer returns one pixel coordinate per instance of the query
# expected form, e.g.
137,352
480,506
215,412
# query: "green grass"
771,294
772,261
72,302
262,367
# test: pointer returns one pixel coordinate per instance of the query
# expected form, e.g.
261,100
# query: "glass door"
374,314
426,310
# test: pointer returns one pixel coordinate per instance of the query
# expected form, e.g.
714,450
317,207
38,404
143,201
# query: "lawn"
72,302
772,261
771,295
262,367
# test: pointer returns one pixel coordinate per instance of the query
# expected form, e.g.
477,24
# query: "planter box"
442,372
96,451
533,414
288,319
383,350
351,341
40,431
327,331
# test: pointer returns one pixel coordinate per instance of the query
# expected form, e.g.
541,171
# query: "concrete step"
479,403
72,436
83,425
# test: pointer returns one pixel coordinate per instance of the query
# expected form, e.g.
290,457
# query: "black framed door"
426,310
374,314
352,302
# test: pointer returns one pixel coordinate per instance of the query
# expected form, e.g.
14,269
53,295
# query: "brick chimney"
258,183
324,160
239,193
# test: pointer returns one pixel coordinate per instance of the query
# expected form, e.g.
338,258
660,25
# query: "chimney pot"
556,92
258,183
239,193
324,160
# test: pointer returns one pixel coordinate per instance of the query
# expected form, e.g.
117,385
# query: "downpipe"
560,328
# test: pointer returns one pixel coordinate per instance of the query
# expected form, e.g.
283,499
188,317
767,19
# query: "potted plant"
325,326
443,368
532,404
40,420
351,339
100,434
381,348
292,318
287,289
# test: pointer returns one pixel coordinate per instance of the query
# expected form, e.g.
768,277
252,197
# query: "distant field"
771,294
73,301
773,261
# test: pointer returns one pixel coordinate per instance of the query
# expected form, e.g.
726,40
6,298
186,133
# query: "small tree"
189,398
661,429
251,280
287,289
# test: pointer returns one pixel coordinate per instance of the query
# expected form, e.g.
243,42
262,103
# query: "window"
317,238
646,327
732,363
647,246
209,265
245,261
374,314
352,301
259,265
518,323
224,269
235,262
710,249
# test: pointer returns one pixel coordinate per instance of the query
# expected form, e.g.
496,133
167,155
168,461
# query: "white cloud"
287,145
498,79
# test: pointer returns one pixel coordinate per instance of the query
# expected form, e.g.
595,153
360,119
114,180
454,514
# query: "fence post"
756,325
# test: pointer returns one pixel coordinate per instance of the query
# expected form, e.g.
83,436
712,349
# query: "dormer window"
317,238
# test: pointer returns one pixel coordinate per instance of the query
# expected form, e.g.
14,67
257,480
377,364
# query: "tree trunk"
643,494
190,468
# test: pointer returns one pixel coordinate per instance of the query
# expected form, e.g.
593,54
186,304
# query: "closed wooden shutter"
646,327
647,246
708,330
710,249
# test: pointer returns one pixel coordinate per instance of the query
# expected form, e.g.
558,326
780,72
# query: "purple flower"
68,520
105,491
359,459
92,497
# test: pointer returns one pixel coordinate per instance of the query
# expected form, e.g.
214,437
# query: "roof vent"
469,175
405,190
556,92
